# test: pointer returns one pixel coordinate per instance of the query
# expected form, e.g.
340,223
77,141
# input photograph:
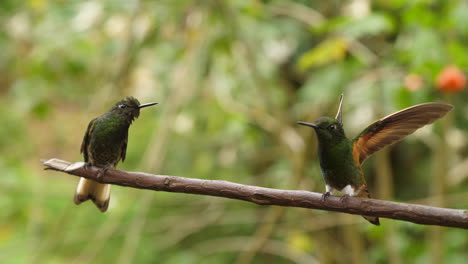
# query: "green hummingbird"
104,145
341,158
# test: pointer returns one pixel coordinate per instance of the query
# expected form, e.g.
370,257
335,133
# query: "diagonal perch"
420,214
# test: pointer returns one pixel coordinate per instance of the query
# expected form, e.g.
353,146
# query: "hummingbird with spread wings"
341,158
104,145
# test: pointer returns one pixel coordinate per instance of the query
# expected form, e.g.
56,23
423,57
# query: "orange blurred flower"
413,82
451,79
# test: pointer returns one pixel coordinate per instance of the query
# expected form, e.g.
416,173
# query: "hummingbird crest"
341,158
339,115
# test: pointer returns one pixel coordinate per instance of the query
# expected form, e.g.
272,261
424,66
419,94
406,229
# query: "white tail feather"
99,193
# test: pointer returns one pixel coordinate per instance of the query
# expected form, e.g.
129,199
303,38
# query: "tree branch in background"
419,214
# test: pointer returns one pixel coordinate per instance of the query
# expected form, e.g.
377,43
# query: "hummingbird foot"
102,172
325,195
87,165
344,198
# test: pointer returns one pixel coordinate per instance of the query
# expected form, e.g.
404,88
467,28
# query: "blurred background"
232,78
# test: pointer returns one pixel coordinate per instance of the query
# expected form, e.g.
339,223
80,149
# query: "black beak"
308,124
145,105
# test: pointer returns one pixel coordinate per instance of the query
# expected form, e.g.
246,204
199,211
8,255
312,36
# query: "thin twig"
420,214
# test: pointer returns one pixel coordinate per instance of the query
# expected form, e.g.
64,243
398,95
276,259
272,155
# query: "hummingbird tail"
98,193
363,192
372,219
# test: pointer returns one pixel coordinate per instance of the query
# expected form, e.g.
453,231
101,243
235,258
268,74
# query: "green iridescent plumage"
341,158
104,145
335,152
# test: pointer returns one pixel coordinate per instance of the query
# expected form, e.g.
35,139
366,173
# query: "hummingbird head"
327,128
129,107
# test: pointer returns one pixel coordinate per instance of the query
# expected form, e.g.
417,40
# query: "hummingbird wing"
87,136
123,151
395,127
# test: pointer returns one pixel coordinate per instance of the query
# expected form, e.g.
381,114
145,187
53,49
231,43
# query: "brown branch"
420,214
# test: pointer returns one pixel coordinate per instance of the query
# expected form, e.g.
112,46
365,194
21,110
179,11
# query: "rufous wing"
395,127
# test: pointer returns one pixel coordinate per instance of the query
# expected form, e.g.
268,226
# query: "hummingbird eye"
122,106
331,127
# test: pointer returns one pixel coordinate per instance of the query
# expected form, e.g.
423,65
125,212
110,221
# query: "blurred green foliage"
232,78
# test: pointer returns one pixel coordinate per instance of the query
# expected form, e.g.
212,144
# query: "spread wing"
395,127
87,136
123,151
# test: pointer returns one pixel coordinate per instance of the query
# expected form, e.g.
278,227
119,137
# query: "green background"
232,78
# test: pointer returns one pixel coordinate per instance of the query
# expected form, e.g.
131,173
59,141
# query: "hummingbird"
341,158
104,145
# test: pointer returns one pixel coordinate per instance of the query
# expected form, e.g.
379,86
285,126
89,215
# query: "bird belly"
104,156
341,175
338,167
105,146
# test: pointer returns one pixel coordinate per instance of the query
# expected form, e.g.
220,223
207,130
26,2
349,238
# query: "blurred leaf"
327,83
330,50
458,54
41,109
458,17
423,50
392,3
370,25
300,241
38,5
420,14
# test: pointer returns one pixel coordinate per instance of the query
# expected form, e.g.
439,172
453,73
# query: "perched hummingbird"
104,145
341,158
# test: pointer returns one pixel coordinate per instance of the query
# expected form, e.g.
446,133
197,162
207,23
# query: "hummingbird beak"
308,124
145,105
339,115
